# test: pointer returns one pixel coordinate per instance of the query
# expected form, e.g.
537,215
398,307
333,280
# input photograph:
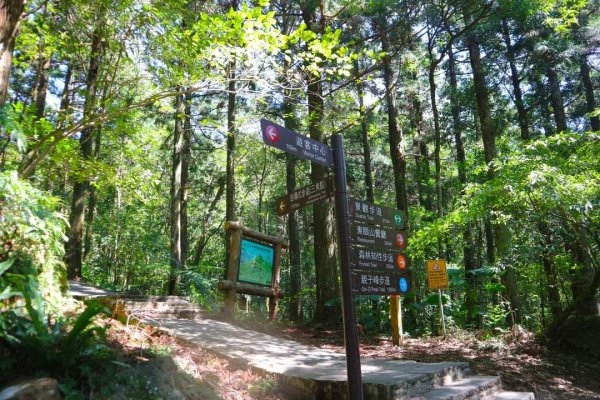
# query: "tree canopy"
139,121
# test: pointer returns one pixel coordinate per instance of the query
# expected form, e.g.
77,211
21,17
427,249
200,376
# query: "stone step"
421,378
157,306
152,299
512,396
471,387
166,314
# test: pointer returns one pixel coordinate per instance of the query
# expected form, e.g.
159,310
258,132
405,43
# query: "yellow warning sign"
437,275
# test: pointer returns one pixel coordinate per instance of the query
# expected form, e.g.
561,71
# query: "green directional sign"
363,211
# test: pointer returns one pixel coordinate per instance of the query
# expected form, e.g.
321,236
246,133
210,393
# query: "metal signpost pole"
343,222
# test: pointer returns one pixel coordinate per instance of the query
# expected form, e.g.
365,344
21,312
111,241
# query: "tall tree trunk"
584,69
230,162
65,99
471,297
396,137
437,144
295,303
421,153
364,130
483,102
560,118
42,87
203,239
501,231
91,207
73,248
10,16
326,271
516,83
397,152
179,177
541,93
185,175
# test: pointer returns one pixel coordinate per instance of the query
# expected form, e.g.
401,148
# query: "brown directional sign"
377,215
296,144
370,235
305,196
380,282
377,259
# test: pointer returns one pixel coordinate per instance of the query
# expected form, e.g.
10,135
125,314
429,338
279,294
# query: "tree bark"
295,303
397,151
516,83
396,137
230,162
364,130
586,79
42,88
421,153
541,93
437,144
73,248
326,271
204,229
560,118
501,231
10,17
179,175
471,298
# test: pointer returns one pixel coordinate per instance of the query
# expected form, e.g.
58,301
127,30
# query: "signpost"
437,278
305,196
378,272
315,151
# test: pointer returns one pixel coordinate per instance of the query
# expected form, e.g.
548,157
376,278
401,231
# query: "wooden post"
274,300
400,319
395,319
233,266
442,312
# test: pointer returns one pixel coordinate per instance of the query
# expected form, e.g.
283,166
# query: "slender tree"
73,249
10,17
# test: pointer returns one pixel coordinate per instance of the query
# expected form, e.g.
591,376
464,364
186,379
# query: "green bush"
35,337
31,244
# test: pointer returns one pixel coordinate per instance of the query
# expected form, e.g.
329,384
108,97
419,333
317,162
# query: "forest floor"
523,363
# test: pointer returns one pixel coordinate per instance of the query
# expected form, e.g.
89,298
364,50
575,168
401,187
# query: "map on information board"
256,263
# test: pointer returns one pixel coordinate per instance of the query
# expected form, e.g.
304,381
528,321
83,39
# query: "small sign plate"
371,235
380,283
296,144
305,196
437,275
369,259
377,215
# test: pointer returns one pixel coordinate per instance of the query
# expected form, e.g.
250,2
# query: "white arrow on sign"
272,133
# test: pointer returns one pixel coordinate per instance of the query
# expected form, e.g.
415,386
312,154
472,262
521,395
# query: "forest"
130,134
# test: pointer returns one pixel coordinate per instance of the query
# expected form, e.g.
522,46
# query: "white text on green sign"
377,215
